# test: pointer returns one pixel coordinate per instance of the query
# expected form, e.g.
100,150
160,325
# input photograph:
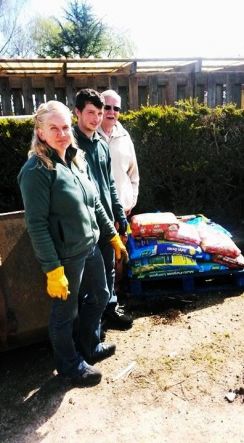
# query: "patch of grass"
213,354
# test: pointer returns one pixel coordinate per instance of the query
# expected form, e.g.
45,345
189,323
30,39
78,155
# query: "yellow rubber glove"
57,283
119,248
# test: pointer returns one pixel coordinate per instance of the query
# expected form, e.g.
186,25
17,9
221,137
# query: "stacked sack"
161,244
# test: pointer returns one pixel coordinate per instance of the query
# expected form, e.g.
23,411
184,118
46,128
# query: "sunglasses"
109,107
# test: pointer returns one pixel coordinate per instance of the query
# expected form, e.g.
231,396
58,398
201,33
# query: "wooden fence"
24,84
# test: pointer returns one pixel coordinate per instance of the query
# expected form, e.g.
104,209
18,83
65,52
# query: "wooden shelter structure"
25,83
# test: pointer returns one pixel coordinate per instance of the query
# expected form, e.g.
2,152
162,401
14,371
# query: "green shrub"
190,157
15,139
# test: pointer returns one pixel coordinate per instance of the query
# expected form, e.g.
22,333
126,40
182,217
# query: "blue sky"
175,28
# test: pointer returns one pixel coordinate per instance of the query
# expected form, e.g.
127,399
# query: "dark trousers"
85,306
109,263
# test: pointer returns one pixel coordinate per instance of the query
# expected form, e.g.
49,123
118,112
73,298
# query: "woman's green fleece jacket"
63,212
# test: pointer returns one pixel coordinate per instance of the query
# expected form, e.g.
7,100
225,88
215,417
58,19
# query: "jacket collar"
82,136
69,155
117,131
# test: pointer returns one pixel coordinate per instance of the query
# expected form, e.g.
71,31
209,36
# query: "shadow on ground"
30,389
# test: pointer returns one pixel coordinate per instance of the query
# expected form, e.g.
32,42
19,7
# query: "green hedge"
191,159
15,139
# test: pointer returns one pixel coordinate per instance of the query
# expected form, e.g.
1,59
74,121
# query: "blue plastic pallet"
188,282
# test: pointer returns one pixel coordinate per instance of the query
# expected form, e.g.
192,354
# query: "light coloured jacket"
124,165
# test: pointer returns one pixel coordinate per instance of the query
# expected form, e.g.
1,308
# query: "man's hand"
57,283
119,248
123,227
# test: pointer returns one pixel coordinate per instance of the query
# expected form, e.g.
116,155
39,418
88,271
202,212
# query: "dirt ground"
166,383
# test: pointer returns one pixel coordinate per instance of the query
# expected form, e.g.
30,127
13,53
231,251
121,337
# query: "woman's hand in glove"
57,283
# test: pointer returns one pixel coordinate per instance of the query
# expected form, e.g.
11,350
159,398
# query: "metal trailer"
24,305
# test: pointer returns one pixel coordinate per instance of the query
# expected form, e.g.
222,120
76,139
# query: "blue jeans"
64,313
109,263
93,299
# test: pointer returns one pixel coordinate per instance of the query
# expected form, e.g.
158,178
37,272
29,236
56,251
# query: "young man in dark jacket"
89,110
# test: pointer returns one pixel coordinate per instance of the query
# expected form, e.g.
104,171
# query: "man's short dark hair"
88,95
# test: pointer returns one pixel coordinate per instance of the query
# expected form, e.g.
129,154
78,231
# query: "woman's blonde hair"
40,148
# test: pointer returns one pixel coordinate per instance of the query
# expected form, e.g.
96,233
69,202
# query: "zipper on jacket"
85,198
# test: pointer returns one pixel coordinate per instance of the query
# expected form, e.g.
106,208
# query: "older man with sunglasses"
122,151
124,169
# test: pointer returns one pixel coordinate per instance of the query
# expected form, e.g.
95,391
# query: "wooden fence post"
171,89
70,92
49,88
113,83
153,90
27,94
5,92
18,102
133,92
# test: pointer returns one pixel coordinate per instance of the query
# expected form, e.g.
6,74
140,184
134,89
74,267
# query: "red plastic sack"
152,224
217,242
237,262
185,234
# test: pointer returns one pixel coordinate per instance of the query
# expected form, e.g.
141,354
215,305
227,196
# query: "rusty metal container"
24,305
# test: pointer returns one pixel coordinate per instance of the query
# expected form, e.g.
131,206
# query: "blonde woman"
63,215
